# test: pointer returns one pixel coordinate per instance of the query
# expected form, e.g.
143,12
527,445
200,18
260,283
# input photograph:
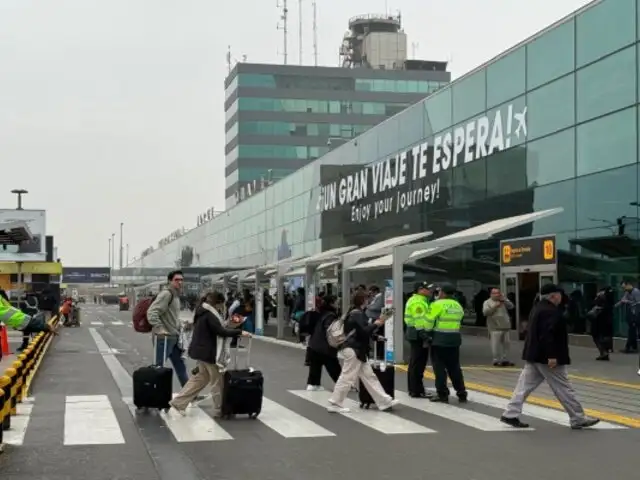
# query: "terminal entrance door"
526,265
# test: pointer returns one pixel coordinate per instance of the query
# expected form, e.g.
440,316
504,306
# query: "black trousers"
316,362
446,362
418,359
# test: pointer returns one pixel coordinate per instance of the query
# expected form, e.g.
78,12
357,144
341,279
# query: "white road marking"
90,420
288,423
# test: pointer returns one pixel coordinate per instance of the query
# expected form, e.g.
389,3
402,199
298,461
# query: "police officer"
443,324
415,318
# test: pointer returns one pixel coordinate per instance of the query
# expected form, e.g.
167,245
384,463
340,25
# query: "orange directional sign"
528,251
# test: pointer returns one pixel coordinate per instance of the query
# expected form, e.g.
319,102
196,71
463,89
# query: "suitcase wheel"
365,406
253,416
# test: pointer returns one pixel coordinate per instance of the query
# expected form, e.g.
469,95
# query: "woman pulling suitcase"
207,349
355,366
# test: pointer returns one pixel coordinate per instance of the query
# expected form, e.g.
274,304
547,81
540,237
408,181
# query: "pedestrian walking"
546,356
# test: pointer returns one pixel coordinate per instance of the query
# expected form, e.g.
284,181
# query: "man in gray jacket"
496,309
164,317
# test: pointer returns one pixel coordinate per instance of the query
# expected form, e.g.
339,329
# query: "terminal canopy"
469,235
385,246
323,257
14,233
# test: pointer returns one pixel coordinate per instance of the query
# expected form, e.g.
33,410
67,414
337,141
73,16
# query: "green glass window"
469,96
551,108
552,196
551,55
506,171
438,114
605,197
607,85
506,78
607,142
316,106
469,182
551,158
249,174
605,28
256,80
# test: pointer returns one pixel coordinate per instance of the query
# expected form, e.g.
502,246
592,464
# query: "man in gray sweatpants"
546,356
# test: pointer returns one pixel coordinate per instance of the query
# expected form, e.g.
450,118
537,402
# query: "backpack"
304,325
335,332
140,321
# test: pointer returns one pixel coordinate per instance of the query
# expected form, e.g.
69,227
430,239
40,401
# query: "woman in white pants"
355,365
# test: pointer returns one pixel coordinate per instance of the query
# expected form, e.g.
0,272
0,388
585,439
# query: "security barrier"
16,380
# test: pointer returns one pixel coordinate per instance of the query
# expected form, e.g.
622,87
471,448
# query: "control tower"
374,41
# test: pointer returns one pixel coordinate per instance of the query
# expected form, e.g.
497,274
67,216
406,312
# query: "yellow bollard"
1,417
17,388
25,372
5,403
13,377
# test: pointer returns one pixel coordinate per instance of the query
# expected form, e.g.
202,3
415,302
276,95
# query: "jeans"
174,354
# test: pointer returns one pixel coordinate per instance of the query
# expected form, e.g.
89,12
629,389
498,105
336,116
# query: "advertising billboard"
31,251
74,275
526,252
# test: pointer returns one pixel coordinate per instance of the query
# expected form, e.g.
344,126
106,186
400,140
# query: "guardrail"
16,380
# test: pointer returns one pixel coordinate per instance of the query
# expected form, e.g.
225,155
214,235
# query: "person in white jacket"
496,309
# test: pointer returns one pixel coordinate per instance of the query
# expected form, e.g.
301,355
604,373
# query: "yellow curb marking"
543,402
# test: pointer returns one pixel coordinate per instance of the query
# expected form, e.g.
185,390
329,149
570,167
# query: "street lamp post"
121,249
109,260
113,250
19,192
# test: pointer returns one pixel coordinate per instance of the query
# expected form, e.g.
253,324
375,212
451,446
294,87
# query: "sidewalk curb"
631,422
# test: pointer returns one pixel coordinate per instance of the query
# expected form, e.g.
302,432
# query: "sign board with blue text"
75,275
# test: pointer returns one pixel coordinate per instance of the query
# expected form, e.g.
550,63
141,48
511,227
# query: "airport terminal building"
553,122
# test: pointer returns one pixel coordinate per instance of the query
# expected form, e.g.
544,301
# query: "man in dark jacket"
546,356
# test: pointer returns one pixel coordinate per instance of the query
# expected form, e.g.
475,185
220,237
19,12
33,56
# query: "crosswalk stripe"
19,423
97,324
196,426
288,423
542,413
382,422
90,420
117,322
472,419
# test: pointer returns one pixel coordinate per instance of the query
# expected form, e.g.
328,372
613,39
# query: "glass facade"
319,106
327,83
295,129
553,123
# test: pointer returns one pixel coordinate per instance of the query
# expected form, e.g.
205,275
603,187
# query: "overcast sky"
112,110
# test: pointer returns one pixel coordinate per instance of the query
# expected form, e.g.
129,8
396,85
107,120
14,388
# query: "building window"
318,106
507,171
552,158
506,78
607,85
469,96
561,194
438,115
607,196
551,108
605,28
607,142
256,80
551,55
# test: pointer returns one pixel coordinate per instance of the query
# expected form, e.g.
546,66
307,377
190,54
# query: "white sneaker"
337,409
392,404
314,388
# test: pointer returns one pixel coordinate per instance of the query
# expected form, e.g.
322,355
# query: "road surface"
79,424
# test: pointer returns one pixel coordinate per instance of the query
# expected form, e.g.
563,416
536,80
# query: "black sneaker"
586,423
514,422
507,364
463,398
195,371
439,399
420,395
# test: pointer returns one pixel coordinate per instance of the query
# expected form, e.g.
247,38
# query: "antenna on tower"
414,47
229,58
315,33
300,32
284,26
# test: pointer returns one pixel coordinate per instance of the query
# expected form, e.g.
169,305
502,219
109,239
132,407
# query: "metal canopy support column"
310,272
259,301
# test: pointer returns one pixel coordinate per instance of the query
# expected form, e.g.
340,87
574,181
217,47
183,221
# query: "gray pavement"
98,358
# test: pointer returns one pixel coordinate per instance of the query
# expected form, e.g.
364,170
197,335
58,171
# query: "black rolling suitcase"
242,389
385,372
153,385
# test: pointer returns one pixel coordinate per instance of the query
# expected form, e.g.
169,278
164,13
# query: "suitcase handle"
237,350
155,350
383,363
